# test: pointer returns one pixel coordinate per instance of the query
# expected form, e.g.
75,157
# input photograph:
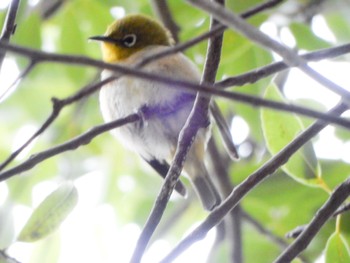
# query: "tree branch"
215,30
224,130
233,222
197,119
257,74
72,144
9,26
57,106
175,83
289,56
338,196
248,184
162,10
24,73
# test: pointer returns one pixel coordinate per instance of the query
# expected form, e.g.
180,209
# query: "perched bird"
165,108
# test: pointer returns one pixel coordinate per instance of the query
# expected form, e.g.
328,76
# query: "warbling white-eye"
165,109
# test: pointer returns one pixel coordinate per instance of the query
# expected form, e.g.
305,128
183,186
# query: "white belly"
156,137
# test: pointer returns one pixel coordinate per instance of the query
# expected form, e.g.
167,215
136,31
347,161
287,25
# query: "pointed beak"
104,39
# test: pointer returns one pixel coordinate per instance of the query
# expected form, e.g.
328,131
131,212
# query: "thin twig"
49,8
72,144
248,184
204,88
234,221
197,119
6,258
57,106
257,74
342,209
9,26
235,22
258,226
213,32
338,196
162,10
249,77
23,74
176,83
282,243
224,130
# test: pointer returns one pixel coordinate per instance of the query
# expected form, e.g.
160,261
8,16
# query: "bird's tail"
201,181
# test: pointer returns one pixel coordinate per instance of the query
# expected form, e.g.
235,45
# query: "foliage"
116,189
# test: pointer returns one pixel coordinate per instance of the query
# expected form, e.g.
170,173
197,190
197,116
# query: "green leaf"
48,216
306,39
279,129
337,249
339,26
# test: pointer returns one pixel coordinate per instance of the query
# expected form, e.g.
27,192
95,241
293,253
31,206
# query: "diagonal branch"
214,31
72,144
204,88
257,74
338,196
248,184
9,26
22,75
57,106
197,119
162,10
289,56
175,83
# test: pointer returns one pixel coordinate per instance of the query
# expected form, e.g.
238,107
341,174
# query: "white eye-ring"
129,40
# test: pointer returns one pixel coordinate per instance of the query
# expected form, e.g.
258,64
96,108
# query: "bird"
164,108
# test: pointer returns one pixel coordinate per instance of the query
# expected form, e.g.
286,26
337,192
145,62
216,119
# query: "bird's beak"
104,39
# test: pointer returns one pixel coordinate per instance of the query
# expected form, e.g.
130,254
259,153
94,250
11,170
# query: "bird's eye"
129,40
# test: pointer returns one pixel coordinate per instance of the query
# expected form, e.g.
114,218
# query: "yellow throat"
130,34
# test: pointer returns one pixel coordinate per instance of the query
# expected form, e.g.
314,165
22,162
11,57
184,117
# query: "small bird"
165,109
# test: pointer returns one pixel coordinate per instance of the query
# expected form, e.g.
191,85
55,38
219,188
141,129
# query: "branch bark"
338,196
248,184
289,56
9,26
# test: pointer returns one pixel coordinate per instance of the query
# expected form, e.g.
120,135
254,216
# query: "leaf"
279,129
339,26
306,39
337,249
48,216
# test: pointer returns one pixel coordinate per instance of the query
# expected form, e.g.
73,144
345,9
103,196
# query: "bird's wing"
162,169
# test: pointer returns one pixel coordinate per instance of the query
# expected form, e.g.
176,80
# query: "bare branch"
197,119
338,196
162,10
233,21
9,26
215,30
248,184
72,144
282,243
23,74
56,109
224,131
233,222
344,208
257,74
6,258
203,87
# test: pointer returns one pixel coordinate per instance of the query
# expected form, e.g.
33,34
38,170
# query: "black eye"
129,40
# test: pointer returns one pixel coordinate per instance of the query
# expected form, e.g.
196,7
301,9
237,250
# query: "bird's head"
131,34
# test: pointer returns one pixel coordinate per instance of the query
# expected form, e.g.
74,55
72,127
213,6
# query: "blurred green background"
116,188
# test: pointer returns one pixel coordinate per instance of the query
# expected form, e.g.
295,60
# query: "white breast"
156,138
